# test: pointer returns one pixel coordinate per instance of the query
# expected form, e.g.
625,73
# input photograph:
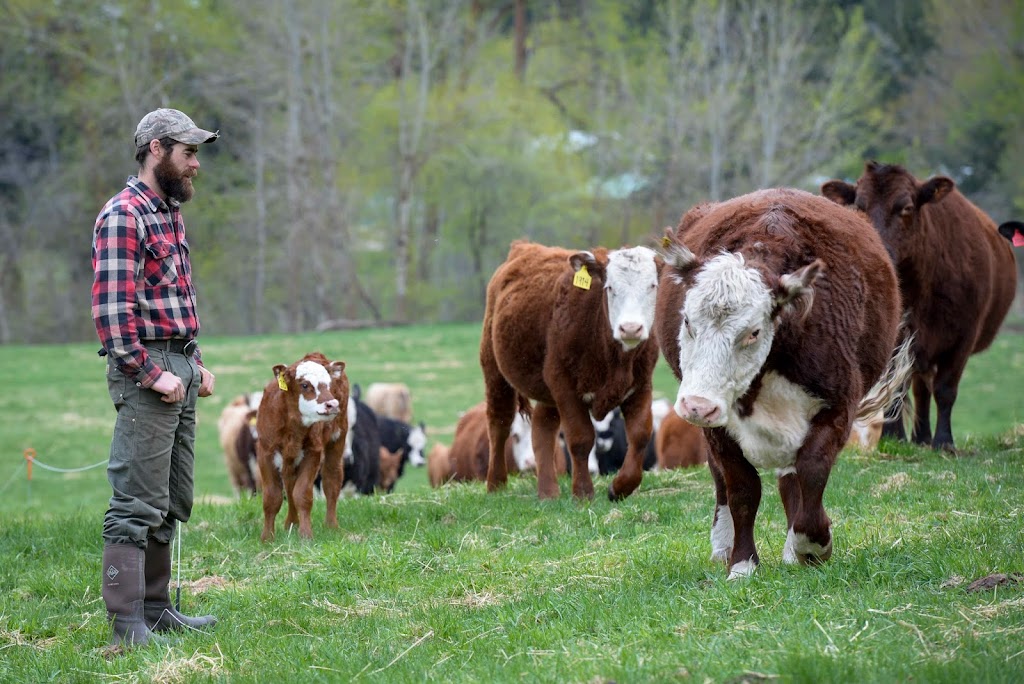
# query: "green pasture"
455,585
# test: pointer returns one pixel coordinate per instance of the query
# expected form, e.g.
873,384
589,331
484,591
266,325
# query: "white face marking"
659,409
742,569
417,441
312,410
771,435
631,288
722,535
521,434
725,338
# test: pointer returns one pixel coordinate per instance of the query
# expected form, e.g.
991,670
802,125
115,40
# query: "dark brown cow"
571,331
957,277
777,311
302,429
679,444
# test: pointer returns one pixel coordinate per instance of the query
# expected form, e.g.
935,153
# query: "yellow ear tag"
665,242
281,383
582,278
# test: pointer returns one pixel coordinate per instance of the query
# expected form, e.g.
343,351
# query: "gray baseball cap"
170,123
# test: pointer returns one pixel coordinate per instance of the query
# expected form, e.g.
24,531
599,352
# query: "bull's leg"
579,439
743,491
922,408
546,421
501,409
810,531
288,477
332,474
722,533
636,411
272,495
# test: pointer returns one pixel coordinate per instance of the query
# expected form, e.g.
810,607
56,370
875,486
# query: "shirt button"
138,384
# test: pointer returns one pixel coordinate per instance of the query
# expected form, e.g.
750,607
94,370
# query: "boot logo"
112,572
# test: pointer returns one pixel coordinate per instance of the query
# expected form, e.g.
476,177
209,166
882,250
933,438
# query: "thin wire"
67,470
177,590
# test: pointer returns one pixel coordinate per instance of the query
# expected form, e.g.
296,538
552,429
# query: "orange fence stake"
30,454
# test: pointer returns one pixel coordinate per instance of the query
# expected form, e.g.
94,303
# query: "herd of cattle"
794,323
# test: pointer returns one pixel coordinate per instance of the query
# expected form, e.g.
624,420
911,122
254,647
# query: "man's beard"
172,181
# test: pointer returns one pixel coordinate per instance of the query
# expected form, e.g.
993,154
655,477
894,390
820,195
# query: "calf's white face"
417,442
521,435
316,403
631,287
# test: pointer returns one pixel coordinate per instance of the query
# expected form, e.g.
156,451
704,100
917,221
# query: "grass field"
456,585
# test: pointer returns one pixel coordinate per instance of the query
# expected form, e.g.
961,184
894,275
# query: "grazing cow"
236,430
391,399
865,433
679,444
404,439
363,467
610,446
302,428
571,331
469,454
777,312
957,279
439,466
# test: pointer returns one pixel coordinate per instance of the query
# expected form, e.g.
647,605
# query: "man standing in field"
144,308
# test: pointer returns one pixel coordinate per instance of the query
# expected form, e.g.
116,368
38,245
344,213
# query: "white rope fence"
31,460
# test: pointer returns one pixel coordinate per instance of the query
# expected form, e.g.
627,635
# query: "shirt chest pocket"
159,268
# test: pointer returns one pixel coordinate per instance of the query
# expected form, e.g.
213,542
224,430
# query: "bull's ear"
795,293
934,189
1008,229
336,369
840,192
279,369
679,258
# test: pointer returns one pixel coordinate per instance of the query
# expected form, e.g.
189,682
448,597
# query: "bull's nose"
332,406
698,410
630,331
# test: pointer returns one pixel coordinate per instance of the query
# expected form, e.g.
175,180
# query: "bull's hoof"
804,551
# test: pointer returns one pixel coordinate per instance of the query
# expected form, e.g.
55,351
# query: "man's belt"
176,345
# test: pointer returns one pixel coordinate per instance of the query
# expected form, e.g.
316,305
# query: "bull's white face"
724,340
521,435
316,403
417,442
631,288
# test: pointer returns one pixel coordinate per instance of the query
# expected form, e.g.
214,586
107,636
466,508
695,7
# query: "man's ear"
155,148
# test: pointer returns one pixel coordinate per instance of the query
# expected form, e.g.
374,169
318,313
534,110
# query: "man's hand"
206,384
169,385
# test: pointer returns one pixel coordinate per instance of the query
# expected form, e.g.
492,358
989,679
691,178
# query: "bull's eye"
751,337
304,386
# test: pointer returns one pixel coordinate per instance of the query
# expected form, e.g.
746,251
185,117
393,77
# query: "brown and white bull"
302,428
572,331
777,312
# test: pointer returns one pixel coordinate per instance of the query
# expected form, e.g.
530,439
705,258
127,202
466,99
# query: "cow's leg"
332,474
893,428
501,409
810,531
947,383
743,492
272,495
922,407
722,533
288,475
579,439
546,421
636,412
789,492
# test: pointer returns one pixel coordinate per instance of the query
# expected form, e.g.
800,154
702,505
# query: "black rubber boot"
159,613
124,588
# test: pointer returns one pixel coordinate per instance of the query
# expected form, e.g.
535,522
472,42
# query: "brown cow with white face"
777,311
570,330
302,429
957,277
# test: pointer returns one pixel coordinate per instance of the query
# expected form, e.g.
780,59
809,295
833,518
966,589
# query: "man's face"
175,170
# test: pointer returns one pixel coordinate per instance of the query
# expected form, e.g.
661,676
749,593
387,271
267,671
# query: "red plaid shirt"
142,288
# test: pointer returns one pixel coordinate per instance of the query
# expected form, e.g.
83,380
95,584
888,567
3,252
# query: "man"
144,308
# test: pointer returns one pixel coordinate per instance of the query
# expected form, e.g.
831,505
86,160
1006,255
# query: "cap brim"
196,136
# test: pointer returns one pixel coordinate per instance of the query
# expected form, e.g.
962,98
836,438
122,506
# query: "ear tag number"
281,383
582,278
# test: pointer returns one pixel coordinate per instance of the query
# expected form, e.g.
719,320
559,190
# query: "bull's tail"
888,394
523,406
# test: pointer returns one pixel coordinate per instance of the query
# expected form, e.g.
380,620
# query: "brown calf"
302,428
679,444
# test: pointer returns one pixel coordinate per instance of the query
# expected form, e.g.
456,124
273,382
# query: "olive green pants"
152,455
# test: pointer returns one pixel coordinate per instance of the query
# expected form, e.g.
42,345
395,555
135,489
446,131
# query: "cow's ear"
840,192
1008,229
934,189
795,293
584,258
336,369
279,369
